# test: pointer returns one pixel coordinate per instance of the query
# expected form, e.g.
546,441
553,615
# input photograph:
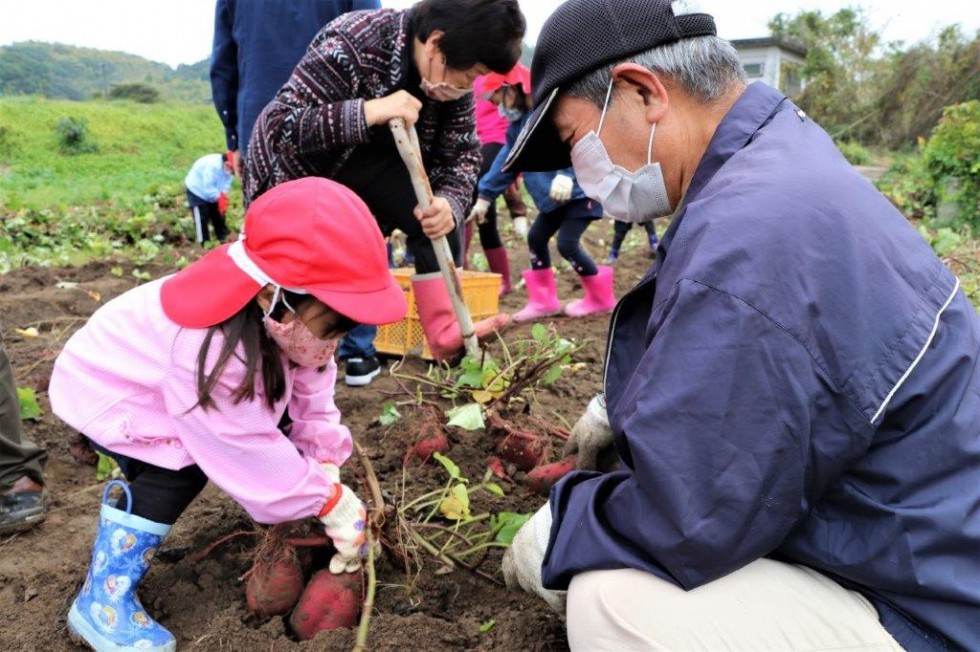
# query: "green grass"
126,197
142,148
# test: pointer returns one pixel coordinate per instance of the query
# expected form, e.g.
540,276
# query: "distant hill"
67,72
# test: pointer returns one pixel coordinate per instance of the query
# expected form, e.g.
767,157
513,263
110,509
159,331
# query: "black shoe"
359,372
22,506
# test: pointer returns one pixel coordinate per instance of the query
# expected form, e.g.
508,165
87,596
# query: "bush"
855,152
73,136
907,185
136,92
953,153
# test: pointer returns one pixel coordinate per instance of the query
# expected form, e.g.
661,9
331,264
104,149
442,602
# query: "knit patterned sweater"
317,119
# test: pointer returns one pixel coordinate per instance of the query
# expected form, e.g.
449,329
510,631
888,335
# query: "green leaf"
456,505
449,465
487,626
552,375
106,468
389,414
467,417
29,409
493,488
506,525
472,375
540,333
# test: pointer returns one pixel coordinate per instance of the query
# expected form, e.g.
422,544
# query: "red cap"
311,235
518,76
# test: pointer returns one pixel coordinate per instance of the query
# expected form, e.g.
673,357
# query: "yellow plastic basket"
480,292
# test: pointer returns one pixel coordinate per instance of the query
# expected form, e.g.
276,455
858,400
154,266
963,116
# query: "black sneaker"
359,372
22,506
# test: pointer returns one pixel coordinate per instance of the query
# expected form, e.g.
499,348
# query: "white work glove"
591,435
345,523
520,227
561,188
479,211
522,561
332,471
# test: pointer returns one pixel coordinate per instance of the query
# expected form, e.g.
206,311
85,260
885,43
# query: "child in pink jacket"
186,379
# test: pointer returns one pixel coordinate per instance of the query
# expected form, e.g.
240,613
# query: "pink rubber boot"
599,297
497,259
439,320
542,295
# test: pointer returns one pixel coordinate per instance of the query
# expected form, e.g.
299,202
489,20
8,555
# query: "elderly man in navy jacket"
792,390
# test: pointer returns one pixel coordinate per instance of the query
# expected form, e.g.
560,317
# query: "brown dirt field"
203,603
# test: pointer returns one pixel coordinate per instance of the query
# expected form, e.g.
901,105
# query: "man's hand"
522,561
561,188
438,220
591,435
344,522
520,227
400,104
223,203
479,211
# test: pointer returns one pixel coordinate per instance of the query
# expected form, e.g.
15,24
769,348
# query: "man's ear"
648,85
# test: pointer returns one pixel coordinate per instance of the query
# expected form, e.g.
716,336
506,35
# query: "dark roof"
767,41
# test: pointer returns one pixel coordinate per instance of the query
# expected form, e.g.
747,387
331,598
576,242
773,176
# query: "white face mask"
511,115
442,91
634,197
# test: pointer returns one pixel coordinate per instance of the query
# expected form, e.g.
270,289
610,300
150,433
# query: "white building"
776,61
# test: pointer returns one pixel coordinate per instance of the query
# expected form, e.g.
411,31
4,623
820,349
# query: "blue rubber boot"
107,614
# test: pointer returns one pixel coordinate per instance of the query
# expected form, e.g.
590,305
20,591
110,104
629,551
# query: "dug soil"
202,601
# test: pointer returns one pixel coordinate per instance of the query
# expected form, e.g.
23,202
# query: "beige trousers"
767,605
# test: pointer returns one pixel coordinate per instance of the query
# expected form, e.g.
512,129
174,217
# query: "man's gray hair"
707,67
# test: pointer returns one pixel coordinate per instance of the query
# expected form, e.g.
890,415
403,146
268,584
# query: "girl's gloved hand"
344,517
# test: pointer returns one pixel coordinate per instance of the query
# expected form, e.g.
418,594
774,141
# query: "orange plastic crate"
481,292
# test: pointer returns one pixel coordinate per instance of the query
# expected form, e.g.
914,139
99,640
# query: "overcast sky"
179,31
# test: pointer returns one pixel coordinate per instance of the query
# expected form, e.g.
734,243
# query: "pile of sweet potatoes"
528,451
284,580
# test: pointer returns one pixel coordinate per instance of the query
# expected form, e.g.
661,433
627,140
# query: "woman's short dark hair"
475,31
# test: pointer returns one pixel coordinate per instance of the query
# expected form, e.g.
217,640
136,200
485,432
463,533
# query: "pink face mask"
296,340
299,344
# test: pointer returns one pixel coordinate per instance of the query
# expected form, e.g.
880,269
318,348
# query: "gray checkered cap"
579,37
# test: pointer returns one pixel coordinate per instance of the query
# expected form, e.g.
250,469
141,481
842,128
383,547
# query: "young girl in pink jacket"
187,379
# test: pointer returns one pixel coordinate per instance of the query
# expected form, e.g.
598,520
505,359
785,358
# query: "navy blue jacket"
538,184
257,43
797,378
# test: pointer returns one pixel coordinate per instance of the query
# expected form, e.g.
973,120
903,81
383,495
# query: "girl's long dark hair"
246,327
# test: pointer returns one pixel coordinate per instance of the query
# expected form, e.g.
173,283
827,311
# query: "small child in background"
620,229
208,183
563,210
186,379
491,129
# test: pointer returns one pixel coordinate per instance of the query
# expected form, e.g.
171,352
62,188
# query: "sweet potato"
423,449
329,602
541,479
496,467
523,450
273,588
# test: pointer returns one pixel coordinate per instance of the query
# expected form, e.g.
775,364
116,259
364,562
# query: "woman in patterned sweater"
331,119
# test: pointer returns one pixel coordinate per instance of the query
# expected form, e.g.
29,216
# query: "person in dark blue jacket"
256,46
563,209
793,389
